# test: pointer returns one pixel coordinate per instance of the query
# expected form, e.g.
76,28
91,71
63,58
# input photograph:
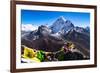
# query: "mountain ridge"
52,38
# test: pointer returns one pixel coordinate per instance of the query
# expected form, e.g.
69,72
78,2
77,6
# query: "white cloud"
28,27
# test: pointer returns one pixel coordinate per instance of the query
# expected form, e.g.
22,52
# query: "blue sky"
35,17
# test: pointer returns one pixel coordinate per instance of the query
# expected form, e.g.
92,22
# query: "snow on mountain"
28,27
56,35
62,18
82,30
43,30
61,25
87,28
79,29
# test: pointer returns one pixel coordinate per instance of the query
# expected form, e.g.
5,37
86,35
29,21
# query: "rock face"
44,43
80,39
42,39
87,29
82,30
43,30
61,25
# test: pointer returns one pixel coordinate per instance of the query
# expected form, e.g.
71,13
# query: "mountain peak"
61,24
62,18
43,30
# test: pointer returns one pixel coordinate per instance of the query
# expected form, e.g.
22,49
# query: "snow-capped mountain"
87,29
52,38
82,30
28,27
43,39
61,25
43,30
80,39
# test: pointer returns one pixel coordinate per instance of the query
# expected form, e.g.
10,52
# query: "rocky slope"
51,39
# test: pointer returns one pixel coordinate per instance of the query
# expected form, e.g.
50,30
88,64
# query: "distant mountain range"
53,37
